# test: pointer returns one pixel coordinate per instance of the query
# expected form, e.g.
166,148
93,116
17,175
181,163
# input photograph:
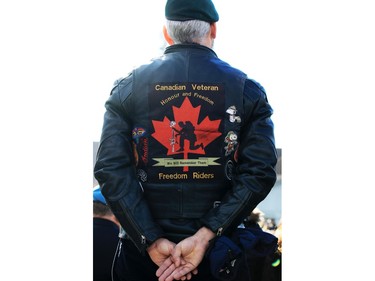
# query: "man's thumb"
176,256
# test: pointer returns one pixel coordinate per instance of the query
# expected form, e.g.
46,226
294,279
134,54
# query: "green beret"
183,10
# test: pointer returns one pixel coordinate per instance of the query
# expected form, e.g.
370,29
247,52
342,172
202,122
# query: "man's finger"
167,273
165,265
188,276
176,256
180,272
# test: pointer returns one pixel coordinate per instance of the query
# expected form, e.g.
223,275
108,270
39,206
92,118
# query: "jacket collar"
189,47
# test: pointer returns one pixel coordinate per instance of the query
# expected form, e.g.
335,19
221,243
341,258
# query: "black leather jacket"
187,142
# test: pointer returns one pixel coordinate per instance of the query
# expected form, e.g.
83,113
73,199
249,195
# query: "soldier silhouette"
187,132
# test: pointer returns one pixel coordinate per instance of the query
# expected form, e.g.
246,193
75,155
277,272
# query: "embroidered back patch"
187,124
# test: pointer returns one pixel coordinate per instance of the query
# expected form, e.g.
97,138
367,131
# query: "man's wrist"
205,234
152,245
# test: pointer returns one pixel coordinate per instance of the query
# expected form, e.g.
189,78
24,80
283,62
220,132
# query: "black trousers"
130,265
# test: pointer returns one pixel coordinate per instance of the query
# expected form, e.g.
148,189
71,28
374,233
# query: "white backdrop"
58,60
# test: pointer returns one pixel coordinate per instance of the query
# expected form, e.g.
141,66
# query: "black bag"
242,256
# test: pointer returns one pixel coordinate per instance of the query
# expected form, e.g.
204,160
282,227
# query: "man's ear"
166,36
213,30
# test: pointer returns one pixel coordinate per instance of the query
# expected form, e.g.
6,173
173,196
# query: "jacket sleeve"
255,171
115,171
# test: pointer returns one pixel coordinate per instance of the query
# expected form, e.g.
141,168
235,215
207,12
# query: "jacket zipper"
137,231
220,230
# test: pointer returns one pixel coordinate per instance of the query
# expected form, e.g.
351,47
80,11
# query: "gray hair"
191,31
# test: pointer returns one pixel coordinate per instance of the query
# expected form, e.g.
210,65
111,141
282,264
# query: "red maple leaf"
197,139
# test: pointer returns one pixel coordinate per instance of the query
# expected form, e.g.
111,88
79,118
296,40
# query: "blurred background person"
255,217
267,268
106,231
273,267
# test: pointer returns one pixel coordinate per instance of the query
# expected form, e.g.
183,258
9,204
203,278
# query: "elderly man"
174,194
